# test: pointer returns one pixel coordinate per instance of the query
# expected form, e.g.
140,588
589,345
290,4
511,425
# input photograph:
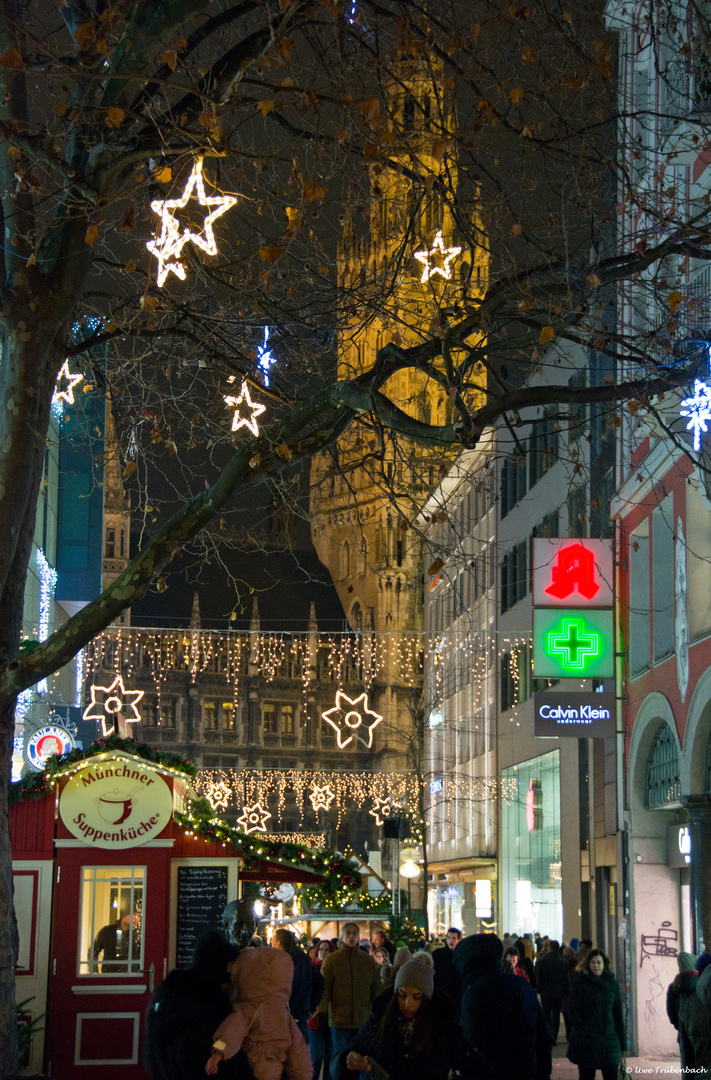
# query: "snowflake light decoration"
698,409
353,718
265,358
218,795
254,818
384,808
246,411
168,246
322,797
437,251
111,702
64,386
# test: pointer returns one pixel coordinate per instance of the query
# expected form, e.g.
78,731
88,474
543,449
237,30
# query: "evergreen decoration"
36,785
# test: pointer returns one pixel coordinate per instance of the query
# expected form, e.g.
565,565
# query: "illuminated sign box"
571,643
575,715
572,573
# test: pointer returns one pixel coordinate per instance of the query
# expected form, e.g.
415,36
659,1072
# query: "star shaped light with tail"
169,244
351,717
438,250
254,818
113,703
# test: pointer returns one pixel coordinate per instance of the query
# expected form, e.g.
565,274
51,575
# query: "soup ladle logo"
116,806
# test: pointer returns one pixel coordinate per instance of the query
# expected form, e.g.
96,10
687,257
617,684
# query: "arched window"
662,782
357,616
346,560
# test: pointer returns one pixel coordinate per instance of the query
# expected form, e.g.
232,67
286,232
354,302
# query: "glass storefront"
531,891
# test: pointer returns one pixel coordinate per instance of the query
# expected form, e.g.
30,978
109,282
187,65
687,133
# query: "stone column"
698,809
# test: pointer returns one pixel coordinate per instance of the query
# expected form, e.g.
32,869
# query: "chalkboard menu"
202,897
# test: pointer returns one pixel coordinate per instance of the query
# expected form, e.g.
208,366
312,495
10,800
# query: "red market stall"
113,883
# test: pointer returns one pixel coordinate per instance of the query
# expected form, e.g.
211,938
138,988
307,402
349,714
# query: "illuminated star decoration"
109,702
447,255
253,409
384,808
265,358
698,409
254,818
66,392
168,246
218,795
351,721
322,797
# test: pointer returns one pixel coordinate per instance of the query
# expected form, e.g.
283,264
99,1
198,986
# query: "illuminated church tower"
405,263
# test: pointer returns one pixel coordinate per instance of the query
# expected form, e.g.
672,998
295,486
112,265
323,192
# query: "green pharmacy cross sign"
570,642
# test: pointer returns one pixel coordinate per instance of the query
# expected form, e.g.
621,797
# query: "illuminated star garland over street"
351,717
111,702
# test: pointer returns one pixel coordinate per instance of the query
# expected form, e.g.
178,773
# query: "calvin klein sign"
580,715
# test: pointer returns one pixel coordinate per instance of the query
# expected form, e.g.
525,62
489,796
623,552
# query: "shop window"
662,782
111,920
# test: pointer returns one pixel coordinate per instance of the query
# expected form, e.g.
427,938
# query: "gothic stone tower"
403,264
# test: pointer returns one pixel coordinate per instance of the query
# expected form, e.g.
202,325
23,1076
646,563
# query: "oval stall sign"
116,804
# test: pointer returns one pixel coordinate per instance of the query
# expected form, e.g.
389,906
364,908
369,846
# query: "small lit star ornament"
64,386
322,797
384,808
218,795
254,818
113,703
246,411
440,252
352,717
698,409
169,244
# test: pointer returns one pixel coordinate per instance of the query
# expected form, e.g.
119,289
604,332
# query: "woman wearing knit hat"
412,1034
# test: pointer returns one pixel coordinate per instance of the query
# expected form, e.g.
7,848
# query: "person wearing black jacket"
500,1013
186,1010
412,1033
552,982
446,976
300,998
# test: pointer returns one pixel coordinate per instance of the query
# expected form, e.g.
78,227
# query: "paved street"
636,1066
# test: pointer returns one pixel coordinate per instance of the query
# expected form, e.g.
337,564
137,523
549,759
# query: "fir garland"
35,785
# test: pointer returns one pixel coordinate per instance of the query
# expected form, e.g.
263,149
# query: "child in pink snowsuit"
260,1021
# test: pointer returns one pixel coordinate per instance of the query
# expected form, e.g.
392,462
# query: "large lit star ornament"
254,818
384,808
168,245
322,797
438,259
113,704
218,795
698,409
246,411
64,386
352,717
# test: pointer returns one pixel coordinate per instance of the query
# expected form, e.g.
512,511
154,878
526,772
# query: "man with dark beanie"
500,1013
186,1010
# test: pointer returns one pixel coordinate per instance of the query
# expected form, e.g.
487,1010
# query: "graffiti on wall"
659,944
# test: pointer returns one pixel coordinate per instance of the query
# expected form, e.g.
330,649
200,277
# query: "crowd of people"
349,1008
